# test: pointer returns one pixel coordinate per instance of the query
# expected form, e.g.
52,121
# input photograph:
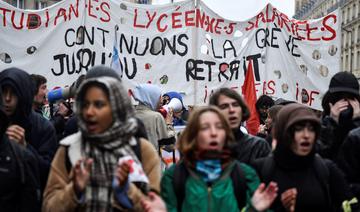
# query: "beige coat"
155,125
59,194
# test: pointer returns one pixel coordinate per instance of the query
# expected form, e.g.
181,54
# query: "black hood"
4,121
21,83
287,117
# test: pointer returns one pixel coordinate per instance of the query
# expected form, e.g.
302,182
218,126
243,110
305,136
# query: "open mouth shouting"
305,146
214,145
92,126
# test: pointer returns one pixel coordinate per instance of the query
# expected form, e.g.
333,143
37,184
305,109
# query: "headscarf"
107,147
288,116
148,94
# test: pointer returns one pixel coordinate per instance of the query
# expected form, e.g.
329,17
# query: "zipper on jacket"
209,198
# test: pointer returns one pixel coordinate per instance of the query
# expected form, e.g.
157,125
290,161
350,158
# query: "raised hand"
288,199
356,107
63,110
122,173
17,134
264,197
337,108
81,177
262,129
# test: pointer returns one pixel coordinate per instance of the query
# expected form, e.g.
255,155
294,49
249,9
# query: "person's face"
211,135
96,110
304,138
10,100
165,100
268,121
263,112
231,110
40,97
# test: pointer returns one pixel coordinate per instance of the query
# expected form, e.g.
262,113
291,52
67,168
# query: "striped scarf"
106,148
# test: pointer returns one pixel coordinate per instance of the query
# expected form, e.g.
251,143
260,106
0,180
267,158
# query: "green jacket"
199,197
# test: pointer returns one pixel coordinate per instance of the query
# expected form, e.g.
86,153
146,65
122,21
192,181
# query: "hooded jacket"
19,180
4,119
148,96
39,133
293,171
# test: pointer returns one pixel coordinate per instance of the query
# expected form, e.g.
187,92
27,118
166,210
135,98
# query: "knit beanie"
344,82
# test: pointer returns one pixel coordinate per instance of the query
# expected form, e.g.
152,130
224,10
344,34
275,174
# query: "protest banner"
181,47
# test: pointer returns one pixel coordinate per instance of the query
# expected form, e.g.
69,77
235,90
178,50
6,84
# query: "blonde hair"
187,142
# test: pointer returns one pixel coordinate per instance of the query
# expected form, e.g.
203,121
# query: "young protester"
87,172
71,126
262,105
40,93
27,128
179,114
306,181
19,175
150,101
209,178
235,110
269,123
341,114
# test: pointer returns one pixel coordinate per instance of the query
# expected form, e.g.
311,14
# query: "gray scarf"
106,148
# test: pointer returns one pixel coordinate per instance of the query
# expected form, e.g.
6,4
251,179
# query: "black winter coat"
39,133
250,147
349,160
18,178
43,144
313,193
332,136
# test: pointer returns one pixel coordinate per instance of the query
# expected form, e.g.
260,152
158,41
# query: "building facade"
350,26
31,4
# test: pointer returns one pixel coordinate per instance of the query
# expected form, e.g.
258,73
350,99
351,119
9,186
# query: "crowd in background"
93,150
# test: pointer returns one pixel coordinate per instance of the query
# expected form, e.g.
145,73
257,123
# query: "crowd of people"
98,152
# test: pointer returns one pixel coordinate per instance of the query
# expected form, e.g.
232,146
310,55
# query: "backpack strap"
180,176
19,155
238,179
323,174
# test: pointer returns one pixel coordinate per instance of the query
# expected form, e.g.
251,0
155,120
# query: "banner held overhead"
180,46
